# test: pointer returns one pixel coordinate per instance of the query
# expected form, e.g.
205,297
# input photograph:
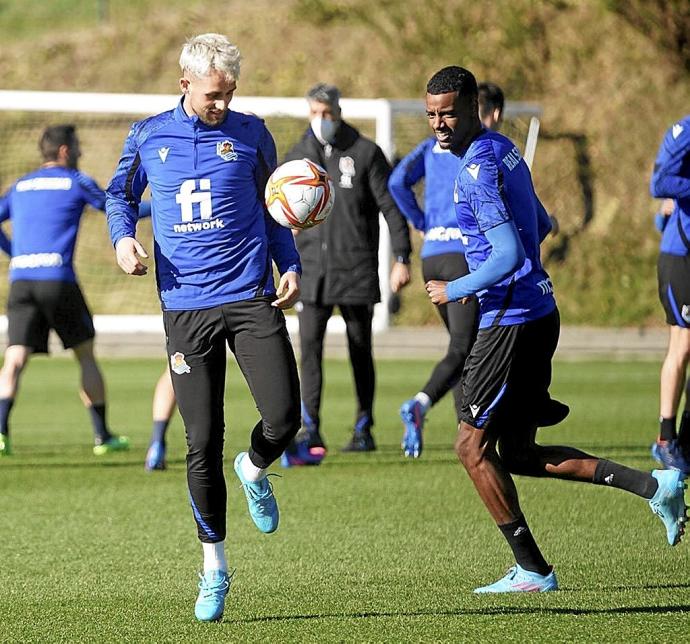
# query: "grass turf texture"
370,548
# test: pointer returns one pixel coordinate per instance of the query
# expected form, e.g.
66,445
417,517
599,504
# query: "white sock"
250,471
214,556
424,400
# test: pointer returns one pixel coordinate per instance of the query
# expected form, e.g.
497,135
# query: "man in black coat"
340,265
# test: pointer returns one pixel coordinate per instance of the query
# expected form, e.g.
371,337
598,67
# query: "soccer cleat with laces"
362,440
412,416
262,505
519,580
155,457
670,455
668,503
113,444
213,588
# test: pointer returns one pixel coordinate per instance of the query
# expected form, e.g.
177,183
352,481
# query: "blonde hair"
207,52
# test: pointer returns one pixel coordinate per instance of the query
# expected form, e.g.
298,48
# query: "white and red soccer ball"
299,194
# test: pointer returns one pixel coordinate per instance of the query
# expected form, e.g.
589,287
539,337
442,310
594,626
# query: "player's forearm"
665,185
507,255
122,221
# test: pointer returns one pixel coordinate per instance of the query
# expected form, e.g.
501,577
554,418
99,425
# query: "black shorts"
35,307
673,272
508,373
447,267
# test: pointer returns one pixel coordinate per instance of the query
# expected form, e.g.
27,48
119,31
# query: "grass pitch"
371,547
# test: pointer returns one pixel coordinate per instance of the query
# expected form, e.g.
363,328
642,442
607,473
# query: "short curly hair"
453,79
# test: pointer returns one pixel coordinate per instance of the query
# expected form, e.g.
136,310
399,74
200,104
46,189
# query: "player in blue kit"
443,257
45,208
508,371
671,181
214,245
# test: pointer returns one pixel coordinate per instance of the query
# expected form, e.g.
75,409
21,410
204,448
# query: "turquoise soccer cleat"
413,420
112,445
668,503
519,580
213,588
262,505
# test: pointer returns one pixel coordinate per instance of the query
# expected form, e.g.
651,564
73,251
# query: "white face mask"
324,129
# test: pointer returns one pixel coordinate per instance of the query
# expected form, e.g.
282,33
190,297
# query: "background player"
340,259
163,407
207,167
508,370
671,181
443,258
45,208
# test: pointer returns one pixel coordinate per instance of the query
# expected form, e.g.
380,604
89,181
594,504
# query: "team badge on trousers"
179,364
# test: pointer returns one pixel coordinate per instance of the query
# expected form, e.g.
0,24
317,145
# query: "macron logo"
677,129
163,154
473,169
475,410
609,479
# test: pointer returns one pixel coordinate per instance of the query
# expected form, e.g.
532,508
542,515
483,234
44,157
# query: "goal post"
103,120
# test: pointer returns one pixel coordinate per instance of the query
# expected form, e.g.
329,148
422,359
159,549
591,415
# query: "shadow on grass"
479,612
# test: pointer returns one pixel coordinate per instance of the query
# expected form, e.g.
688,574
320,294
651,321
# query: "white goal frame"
381,111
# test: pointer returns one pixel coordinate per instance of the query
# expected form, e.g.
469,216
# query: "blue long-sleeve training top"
214,241
437,221
671,180
494,186
45,207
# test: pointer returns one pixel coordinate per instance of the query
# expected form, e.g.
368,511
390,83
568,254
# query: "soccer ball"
299,194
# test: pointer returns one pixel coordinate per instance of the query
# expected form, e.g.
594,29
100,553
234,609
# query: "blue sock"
160,428
5,408
100,429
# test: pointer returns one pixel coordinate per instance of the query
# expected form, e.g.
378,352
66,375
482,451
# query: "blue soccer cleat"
670,455
668,503
155,457
262,505
299,453
213,588
412,416
519,580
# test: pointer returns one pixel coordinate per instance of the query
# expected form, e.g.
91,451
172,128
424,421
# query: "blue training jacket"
437,221
493,186
45,207
671,179
214,241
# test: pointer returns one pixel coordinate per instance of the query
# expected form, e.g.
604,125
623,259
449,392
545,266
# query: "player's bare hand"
400,276
437,291
667,207
288,290
128,251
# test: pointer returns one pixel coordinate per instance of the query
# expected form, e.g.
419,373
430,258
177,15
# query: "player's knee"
15,359
466,450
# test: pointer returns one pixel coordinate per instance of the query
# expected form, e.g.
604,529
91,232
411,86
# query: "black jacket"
340,256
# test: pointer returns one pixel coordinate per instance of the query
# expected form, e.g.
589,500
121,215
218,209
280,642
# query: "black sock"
524,547
625,478
683,431
5,408
159,429
667,429
100,429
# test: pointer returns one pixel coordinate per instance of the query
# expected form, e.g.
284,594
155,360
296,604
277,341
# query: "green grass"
370,548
